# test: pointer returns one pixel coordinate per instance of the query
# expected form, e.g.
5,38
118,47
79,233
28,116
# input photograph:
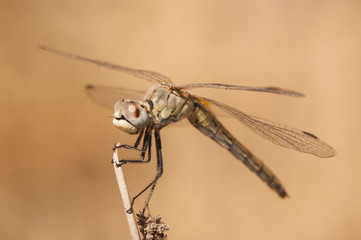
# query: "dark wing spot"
272,88
310,134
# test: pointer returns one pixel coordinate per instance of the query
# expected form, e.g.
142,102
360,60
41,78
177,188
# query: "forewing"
143,74
106,96
274,90
279,134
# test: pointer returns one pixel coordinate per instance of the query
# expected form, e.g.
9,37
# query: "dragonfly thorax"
168,105
130,116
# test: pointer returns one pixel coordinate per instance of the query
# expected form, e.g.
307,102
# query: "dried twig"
151,228
125,197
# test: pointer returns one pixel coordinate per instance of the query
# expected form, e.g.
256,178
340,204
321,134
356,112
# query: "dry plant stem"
125,197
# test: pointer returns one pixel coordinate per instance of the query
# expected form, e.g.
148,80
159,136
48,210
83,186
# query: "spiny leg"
159,172
136,144
147,142
148,199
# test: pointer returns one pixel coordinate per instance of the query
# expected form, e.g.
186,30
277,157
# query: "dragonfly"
166,103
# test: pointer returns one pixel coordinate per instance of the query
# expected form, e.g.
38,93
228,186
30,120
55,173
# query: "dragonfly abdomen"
207,123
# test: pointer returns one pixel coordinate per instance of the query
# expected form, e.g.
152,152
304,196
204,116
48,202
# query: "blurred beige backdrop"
56,180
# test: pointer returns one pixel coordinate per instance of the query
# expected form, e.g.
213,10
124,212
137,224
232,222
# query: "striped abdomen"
206,122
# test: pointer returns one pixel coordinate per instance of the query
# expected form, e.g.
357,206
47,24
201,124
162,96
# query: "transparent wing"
106,96
277,133
274,90
143,74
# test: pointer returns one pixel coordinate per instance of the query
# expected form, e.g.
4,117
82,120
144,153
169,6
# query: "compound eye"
135,114
118,105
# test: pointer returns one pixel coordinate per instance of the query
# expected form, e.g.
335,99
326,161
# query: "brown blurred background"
56,180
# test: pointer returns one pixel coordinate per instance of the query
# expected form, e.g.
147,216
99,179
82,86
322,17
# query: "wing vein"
277,133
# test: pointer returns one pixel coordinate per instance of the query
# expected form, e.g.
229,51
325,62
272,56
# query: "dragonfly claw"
130,210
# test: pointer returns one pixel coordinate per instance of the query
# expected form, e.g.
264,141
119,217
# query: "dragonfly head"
130,116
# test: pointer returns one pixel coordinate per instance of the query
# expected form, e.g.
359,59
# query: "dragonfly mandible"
166,103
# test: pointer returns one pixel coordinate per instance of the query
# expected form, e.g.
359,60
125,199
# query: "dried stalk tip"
152,228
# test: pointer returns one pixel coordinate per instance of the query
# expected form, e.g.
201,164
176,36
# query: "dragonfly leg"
159,173
148,199
136,144
147,141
